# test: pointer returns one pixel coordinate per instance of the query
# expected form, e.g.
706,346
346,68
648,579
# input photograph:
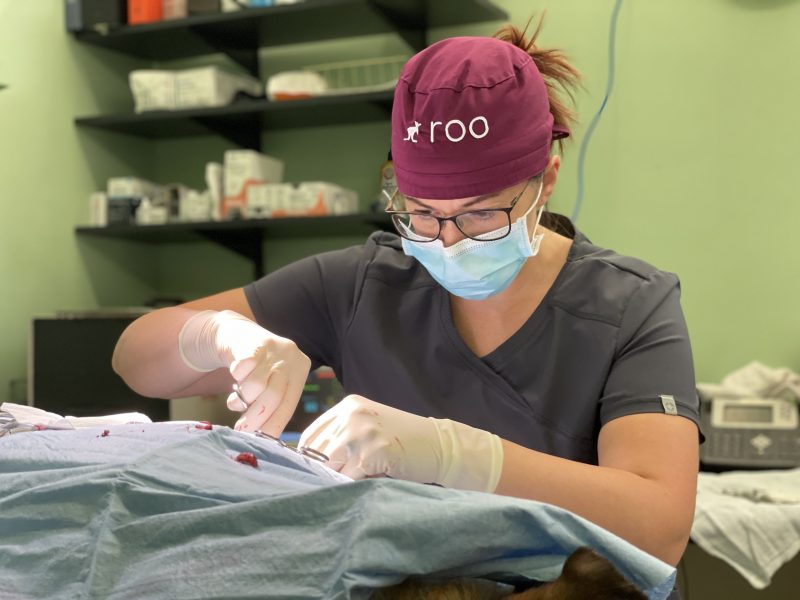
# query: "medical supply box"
144,11
202,87
124,195
132,187
312,198
243,169
175,9
98,209
98,15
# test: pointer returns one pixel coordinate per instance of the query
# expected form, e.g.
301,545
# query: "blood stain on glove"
105,433
247,458
204,425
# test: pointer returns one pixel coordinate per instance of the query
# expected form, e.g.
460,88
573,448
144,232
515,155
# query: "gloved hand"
363,438
270,371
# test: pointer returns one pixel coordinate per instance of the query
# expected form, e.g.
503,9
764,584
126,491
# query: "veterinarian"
488,345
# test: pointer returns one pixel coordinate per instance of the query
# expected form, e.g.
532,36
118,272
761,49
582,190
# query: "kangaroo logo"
412,132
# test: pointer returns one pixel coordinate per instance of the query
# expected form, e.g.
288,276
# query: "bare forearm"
640,510
148,360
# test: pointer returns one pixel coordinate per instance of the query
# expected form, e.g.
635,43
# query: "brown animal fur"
586,576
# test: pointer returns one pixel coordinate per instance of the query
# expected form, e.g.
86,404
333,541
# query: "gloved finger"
347,457
242,396
265,404
296,378
323,445
268,401
235,402
241,369
318,428
338,454
354,470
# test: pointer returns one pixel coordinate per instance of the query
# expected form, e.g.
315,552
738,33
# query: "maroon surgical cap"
471,116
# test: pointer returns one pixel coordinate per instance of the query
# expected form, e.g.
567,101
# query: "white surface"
36,416
750,520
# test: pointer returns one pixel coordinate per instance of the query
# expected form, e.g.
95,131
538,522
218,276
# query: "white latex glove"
363,438
270,371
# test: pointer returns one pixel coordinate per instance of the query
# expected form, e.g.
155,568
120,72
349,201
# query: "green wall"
690,167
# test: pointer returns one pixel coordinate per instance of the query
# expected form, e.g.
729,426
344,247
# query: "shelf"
243,121
241,33
245,237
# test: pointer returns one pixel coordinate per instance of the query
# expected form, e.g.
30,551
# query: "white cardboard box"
311,198
132,187
243,169
98,209
155,89
151,213
195,206
174,9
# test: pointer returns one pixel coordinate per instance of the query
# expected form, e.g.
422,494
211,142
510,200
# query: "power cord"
612,40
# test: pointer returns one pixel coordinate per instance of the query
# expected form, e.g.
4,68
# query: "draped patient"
586,576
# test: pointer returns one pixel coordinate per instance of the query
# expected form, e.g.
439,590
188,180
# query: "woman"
489,347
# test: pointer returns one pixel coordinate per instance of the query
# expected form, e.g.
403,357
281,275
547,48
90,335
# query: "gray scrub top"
608,340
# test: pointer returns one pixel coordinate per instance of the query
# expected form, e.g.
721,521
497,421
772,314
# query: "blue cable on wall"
612,39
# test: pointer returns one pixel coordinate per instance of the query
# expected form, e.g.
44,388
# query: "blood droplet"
105,433
247,458
204,425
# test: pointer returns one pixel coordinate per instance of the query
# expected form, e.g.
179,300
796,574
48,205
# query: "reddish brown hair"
558,74
559,77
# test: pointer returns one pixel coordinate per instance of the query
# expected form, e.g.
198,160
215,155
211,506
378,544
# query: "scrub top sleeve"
652,371
308,302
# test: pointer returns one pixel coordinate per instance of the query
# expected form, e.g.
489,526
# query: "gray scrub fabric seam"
583,315
618,333
471,362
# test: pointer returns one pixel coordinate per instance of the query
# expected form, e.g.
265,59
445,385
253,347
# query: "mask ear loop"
534,240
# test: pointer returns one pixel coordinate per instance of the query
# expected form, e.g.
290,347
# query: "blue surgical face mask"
476,270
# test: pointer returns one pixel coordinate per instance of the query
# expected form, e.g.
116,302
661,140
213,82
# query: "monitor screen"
69,368
744,413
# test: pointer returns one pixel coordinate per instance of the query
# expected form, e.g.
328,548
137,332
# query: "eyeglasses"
301,450
484,225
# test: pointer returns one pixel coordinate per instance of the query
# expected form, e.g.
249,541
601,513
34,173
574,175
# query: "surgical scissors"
301,450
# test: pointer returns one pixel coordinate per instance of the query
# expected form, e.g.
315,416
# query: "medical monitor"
69,366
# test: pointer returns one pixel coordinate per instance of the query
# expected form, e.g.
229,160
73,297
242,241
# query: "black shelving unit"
240,35
246,237
243,121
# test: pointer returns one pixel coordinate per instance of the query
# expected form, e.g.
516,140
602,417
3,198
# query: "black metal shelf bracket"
247,243
247,136
413,31
244,52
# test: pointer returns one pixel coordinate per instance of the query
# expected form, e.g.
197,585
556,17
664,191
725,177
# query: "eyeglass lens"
483,225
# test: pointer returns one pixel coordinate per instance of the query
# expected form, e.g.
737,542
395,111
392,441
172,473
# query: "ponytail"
558,75
557,72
